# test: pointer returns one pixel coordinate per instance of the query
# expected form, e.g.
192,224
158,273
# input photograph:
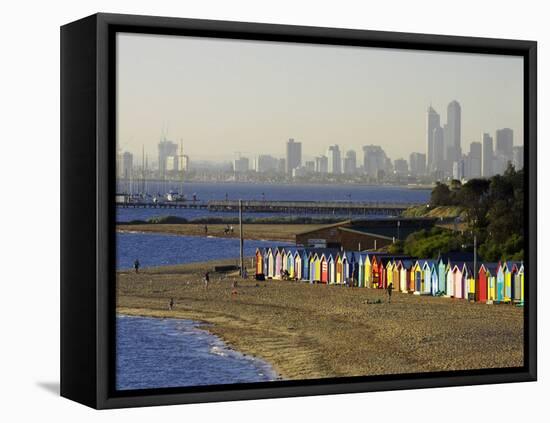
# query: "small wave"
218,351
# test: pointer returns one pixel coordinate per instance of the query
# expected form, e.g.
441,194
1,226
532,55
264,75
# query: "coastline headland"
315,331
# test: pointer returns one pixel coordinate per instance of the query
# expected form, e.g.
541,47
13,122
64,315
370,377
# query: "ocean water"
163,353
281,192
162,250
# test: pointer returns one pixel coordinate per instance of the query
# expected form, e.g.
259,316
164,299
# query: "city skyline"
318,95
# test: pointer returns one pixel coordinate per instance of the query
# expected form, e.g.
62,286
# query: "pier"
261,206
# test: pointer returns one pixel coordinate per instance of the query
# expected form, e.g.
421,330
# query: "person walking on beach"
205,230
206,280
389,289
136,265
171,304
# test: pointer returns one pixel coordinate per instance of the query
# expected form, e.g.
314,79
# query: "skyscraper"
321,164
374,160
432,122
310,166
166,149
439,149
293,155
334,159
504,148
350,162
265,163
127,165
184,163
458,169
241,165
401,167
453,151
417,162
487,156
281,166
474,168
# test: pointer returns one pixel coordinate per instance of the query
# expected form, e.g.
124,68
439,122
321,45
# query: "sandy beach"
315,331
256,231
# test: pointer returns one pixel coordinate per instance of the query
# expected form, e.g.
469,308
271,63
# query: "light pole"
241,244
475,256
398,229
475,247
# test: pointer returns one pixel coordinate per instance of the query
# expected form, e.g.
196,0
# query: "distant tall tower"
432,122
350,162
487,156
166,149
439,149
334,159
475,160
293,155
504,148
417,163
127,165
375,161
321,164
453,151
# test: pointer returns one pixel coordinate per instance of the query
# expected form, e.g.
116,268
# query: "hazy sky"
224,96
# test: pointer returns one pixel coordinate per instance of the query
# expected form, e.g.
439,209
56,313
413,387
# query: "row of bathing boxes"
501,282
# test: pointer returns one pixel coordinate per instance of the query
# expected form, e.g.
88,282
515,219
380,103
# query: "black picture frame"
88,219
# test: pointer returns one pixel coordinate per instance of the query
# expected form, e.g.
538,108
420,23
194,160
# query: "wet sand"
315,331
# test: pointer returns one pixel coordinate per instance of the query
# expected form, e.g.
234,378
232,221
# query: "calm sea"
163,353
162,250
243,191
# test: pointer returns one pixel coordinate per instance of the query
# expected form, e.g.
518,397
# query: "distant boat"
173,196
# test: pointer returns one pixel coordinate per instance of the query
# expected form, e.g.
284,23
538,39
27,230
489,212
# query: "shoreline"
210,324
316,331
161,232
202,326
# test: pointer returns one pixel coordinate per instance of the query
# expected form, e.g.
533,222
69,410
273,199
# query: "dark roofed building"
361,235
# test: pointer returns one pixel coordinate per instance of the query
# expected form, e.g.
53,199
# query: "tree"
396,247
441,195
495,211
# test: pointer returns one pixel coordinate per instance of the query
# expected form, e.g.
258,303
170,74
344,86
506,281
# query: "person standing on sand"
206,280
205,230
171,304
389,289
355,276
136,266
